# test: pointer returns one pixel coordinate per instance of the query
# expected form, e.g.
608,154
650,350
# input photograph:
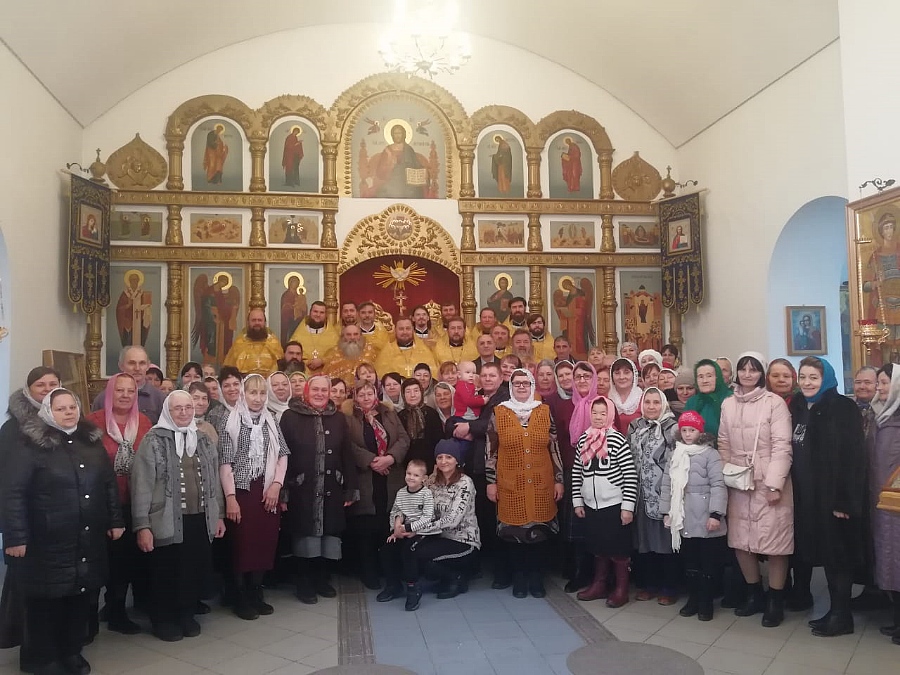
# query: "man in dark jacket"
493,386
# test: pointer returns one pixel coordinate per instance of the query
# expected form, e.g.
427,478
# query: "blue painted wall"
808,265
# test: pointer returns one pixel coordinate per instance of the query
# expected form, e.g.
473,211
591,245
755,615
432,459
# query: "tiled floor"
483,631
741,646
295,640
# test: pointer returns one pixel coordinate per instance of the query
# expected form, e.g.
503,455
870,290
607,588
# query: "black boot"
536,584
893,628
75,665
413,597
755,602
245,608
520,585
320,579
774,614
392,590
306,589
581,576
692,606
799,598
93,626
119,621
840,621
705,597
453,584
264,608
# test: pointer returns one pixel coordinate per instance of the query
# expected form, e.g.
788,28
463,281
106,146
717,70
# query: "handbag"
739,477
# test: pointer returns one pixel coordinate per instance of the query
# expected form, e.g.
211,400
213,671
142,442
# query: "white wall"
808,265
40,138
761,163
869,54
324,61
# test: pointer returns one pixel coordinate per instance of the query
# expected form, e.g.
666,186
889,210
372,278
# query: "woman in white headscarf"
279,394
525,479
60,503
253,457
625,393
177,509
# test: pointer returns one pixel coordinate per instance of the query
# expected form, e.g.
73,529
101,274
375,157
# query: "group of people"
420,453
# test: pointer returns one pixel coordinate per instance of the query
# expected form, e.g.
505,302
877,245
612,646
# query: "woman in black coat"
422,423
829,480
321,481
61,501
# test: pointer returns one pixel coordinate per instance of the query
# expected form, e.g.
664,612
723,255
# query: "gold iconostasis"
244,213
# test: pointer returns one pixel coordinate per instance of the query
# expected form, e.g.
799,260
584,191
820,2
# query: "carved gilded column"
607,240
536,289
329,237
467,243
467,161
175,146
330,299
257,285
257,165
675,336
258,226
535,243
174,236
468,296
174,308
329,166
608,310
606,188
93,344
533,157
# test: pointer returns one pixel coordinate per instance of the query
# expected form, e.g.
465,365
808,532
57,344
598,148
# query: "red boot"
597,590
620,595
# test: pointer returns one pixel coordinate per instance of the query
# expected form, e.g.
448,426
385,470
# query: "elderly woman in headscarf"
563,371
629,350
755,431
525,478
177,509
886,524
712,390
625,393
253,461
380,444
24,405
652,439
279,394
830,489
545,378
60,503
124,427
443,401
422,423
650,356
685,388
321,481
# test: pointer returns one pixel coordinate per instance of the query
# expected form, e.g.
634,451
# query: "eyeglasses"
521,385
181,408
583,376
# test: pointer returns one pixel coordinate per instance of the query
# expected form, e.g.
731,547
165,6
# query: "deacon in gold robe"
376,334
403,355
518,316
351,350
486,323
315,336
454,346
256,349
540,341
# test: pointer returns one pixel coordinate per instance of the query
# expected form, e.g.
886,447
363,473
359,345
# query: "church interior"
703,174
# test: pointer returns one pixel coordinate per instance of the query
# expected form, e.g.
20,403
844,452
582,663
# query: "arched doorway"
808,267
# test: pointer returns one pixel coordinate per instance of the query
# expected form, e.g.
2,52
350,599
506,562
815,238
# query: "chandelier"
422,41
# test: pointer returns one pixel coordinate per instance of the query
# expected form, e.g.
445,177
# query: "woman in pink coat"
761,520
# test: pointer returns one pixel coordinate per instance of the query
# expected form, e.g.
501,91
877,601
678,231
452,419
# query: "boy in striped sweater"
604,492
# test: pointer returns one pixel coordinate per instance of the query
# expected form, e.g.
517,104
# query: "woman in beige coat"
761,520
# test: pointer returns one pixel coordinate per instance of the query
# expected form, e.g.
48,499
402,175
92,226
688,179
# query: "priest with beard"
351,350
454,346
518,317
315,336
374,333
403,355
256,350
523,348
422,326
540,341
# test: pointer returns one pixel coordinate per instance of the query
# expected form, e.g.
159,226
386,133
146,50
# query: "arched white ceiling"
679,64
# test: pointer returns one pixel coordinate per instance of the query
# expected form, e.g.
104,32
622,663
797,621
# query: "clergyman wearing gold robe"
403,355
315,336
351,350
256,349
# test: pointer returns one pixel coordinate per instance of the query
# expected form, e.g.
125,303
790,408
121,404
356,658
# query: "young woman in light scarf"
522,428
124,427
253,456
652,439
625,393
694,499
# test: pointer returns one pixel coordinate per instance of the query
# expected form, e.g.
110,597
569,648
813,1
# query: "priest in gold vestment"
375,334
541,341
316,337
351,350
454,345
403,355
256,349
